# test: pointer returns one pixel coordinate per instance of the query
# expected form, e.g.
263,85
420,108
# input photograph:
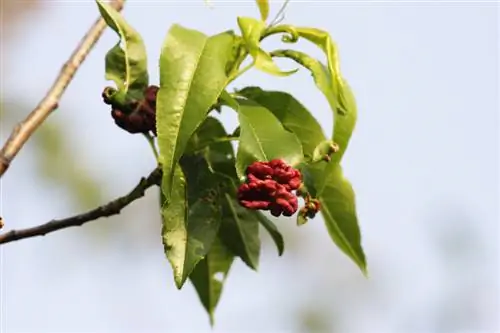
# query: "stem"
228,138
280,16
240,72
151,141
23,131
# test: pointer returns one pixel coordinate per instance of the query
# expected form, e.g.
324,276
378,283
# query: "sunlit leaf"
292,115
263,8
192,76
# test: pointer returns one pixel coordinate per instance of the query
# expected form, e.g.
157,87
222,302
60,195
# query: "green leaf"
291,113
318,71
126,62
192,76
240,231
264,138
210,274
338,208
273,232
263,8
252,30
220,157
323,40
190,222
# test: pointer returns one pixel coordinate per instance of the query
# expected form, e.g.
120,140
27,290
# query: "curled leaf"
126,62
252,31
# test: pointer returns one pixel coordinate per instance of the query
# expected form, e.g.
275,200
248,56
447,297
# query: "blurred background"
423,161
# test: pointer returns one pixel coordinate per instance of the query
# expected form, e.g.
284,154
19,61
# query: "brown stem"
23,131
112,208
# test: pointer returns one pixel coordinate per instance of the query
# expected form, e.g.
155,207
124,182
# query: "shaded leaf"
220,157
338,208
264,138
240,231
263,8
126,62
190,225
210,274
251,31
192,76
291,113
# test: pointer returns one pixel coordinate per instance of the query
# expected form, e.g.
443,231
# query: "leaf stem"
228,138
151,142
240,72
280,16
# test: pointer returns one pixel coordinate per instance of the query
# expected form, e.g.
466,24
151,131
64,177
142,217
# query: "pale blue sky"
424,155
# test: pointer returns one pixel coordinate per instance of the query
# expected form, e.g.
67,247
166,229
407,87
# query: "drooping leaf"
273,232
126,62
210,274
263,8
291,113
192,76
264,138
338,208
190,221
251,31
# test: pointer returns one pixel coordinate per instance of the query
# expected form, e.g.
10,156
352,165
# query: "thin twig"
23,131
112,208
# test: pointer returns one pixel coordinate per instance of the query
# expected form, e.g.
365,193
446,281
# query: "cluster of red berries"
137,116
269,186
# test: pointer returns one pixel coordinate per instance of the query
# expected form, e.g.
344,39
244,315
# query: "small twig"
280,16
23,131
112,208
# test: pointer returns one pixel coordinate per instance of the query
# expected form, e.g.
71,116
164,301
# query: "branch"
112,208
23,131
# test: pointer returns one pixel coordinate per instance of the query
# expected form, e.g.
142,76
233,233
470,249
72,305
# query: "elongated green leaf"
192,76
263,8
240,231
273,232
252,30
126,62
210,274
291,113
191,221
338,207
264,138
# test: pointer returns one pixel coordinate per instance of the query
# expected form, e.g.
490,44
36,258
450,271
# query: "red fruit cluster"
269,186
137,116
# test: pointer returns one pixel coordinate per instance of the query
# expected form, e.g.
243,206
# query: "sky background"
423,161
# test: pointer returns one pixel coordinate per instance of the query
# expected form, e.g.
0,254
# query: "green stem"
228,138
151,142
240,72
280,16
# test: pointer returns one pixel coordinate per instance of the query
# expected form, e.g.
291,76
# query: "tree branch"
112,208
23,131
